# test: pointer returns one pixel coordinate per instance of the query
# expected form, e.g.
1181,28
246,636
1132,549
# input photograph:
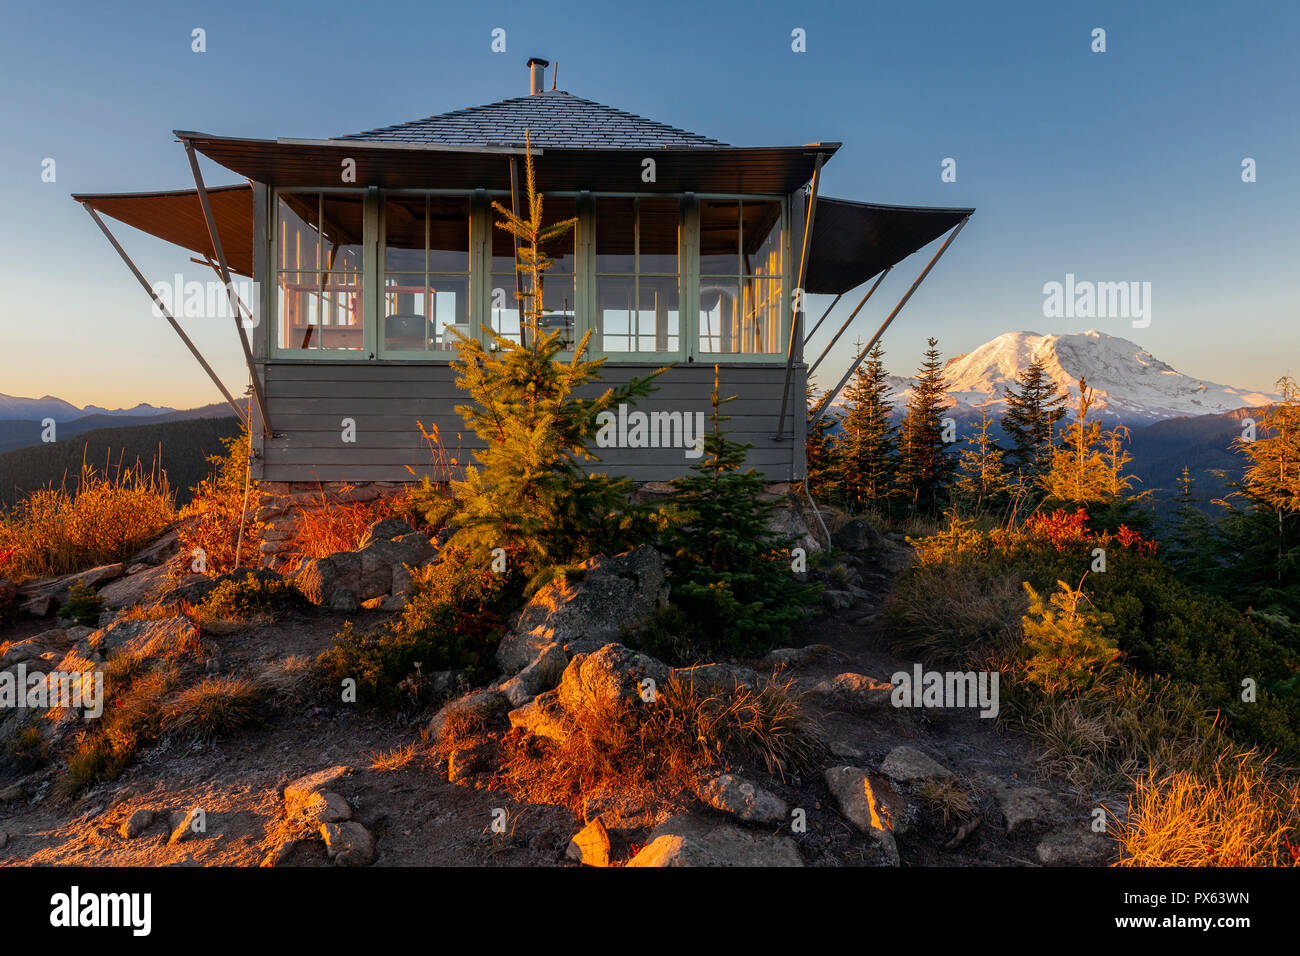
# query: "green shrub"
453,619
250,595
83,605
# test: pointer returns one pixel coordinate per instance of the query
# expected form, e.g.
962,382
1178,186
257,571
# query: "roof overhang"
177,216
854,241
777,170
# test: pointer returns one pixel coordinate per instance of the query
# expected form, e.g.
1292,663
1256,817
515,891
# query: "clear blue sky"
1117,166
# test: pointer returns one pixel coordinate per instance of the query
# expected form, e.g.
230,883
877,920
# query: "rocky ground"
305,789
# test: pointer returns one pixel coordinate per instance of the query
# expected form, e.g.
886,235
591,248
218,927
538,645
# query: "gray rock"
1022,806
541,675
324,806
722,676
342,599
137,823
590,846
1075,846
743,799
542,716
869,805
145,586
348,843
385,529
854,692
149,638
837,600
613,676
787,521
800,656
183,827
909,765
615,592
688,840
300,794
857,535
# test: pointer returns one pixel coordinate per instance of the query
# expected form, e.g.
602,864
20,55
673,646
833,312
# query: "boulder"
1022,806
299,795
909,765
788,522
543,716
324,806
742,799
612,676
725,677
688,840
385,529
854,692
348,843
1075,846
869,805
857,535
614,593
590,846
183,826
367,573
137,823
136,588
161,551
541,675
149,638
800,656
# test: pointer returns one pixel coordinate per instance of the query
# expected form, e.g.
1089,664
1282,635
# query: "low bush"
215,706
330,522
454,619
248,597
103,518
83,605
223,503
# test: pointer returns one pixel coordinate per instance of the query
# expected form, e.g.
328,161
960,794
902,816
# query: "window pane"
557,301
719,237
448,234
719,312
406,312
299,309
615,235
505,307
657,325
760,330
341,313
404,233
297,238
561,251
762,239
615,306
344,223
658,229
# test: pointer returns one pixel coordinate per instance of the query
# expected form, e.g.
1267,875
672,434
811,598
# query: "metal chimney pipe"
537,75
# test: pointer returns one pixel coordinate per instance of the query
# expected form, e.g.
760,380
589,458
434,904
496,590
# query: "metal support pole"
836,337
796,320
167,313
818,325
825,404
215,236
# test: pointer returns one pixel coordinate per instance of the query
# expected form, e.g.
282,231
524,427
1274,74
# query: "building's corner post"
796,315
264,306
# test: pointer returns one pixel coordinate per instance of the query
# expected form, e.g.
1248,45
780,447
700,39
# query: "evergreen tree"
731,573
866,445
822,465
1087,468
925,464
1034,405
982,482
530,494
1264,534
1191,546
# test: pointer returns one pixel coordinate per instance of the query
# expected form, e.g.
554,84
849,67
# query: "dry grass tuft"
399,758
1240,814
330,523
106,516
950,801
215,706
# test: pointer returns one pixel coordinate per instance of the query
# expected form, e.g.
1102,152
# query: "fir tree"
822,465
982,482
1034,405
731,573
925,463
866,445
530,494
1087,468
1191,546
1264,533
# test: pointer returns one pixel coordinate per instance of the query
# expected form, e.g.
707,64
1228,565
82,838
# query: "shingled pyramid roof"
554,119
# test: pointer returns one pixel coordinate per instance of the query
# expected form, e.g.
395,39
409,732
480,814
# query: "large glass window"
319,270
557,281
741,270
637,275
426,272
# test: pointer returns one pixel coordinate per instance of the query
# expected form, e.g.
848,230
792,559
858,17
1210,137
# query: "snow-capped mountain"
1130,384
36,409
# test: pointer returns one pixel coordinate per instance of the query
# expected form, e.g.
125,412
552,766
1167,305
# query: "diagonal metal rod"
818,325
796,320
166,313
836,337
825,404
215,236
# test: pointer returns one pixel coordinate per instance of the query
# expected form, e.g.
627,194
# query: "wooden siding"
307,402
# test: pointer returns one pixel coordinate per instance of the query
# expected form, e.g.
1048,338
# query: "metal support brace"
818,325
836,337
233,298
796,320
825,405
243,417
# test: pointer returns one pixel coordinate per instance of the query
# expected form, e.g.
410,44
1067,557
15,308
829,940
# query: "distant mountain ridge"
13,407
1130,384
24,432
